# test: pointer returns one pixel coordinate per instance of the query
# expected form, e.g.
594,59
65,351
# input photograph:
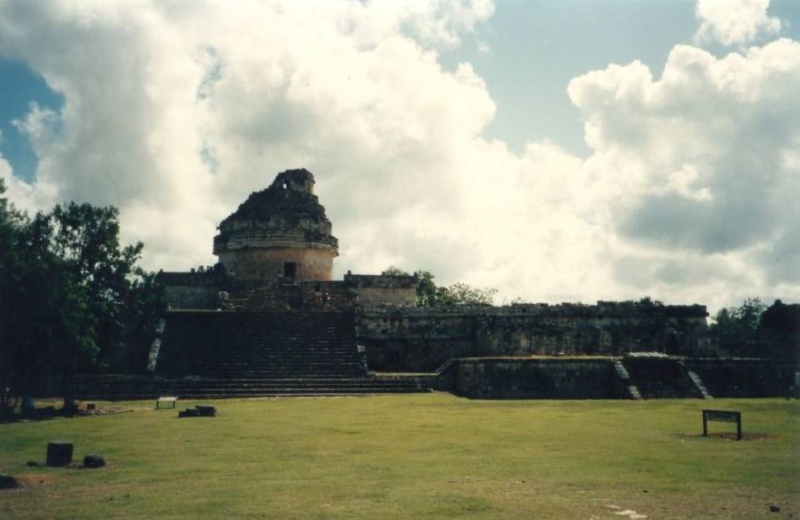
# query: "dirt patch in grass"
45,413
107,410
731,436
35,479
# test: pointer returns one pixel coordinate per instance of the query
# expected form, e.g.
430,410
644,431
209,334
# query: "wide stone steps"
111,388
660,378
288,385
287,374
264,345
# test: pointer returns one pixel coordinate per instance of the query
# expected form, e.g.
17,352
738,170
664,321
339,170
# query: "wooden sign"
723,416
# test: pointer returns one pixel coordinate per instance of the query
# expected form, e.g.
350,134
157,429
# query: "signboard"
723,416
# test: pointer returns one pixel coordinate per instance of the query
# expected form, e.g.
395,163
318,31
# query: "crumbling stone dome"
280,232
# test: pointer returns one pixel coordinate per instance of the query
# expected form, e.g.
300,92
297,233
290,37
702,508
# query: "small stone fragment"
8,482
93,461
189,412
206,410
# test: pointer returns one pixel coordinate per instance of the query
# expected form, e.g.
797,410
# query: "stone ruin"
278,315
280,232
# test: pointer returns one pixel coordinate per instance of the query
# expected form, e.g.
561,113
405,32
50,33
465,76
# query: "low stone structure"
421,339
536,378
628,377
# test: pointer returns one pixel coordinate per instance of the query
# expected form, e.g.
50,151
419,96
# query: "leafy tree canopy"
742,321
69,292
429,294
753,329
782,318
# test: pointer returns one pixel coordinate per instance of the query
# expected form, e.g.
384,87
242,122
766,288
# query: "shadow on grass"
50,412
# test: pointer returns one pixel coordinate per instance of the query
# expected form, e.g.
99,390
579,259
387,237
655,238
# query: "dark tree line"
755,330
72,298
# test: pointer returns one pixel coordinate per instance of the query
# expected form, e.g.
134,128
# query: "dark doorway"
289,270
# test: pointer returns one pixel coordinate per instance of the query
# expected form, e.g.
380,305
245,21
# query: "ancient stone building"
276,254
278,316
280,232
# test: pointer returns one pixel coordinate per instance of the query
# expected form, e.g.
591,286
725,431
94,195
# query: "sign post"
723,416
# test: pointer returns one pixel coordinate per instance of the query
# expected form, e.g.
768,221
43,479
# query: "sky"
556,150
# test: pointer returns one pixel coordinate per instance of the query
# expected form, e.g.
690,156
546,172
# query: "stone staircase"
227,388
660,378
222,354
625,377
698,383
150,387
260,345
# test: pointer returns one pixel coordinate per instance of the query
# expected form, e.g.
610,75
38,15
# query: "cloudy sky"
557,150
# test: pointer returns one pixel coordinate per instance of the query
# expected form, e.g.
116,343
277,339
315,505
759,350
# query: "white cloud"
699,168
175,113
735,22
22,195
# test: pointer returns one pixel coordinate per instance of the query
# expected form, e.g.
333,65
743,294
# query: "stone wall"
743,377
597,378
201,290
569,378
280,296
422,339
193,290
376,291
402,338
268,263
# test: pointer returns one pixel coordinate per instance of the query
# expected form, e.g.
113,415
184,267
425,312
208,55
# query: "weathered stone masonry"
279,232
421,339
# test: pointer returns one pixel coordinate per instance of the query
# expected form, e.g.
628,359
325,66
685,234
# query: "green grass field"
413,456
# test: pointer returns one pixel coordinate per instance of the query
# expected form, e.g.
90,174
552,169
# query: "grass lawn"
413,456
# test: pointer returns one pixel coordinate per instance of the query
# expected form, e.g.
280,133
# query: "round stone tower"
280,232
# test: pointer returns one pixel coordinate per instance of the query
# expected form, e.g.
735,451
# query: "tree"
86,238
737,328
743,320
426,289
782,317
65,282
429,295
394,271
10,223
463,294
142,310
780,328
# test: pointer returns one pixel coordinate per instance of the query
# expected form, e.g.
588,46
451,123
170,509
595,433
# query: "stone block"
8,482
93,461
59,453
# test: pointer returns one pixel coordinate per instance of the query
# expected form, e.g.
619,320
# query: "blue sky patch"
20,86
